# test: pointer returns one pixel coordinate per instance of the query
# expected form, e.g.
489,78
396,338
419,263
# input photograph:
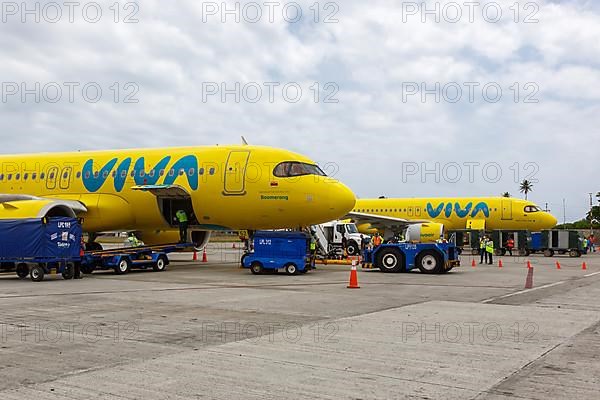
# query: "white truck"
329,238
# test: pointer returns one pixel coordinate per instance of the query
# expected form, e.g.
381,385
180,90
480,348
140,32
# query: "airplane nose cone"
341,200
552,221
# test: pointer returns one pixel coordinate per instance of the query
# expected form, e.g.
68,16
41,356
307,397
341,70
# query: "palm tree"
526,187
506,194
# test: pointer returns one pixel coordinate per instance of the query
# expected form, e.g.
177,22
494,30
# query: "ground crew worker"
489,249
133,240
313,251
482,251
377,240
510,244
585,245
182,219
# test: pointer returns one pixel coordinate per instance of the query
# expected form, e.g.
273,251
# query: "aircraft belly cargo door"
506,209
235,173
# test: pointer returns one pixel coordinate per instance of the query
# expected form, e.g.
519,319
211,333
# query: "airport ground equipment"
522,242
277,250
40,246
429,258
551,242
329,238
123,260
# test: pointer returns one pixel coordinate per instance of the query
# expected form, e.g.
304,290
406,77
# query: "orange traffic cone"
529,279
500,265
584,266
528,264
204,259
353,278
473,263
195,256
557,265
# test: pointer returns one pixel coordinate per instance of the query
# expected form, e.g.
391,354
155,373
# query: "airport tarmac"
211,330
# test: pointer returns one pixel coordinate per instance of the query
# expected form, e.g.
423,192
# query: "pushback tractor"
429,258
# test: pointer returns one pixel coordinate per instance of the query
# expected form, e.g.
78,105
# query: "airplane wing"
382,222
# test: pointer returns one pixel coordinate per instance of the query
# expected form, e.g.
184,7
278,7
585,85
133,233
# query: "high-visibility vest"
313,246
181,216
489,246
377,240
133,241
482,244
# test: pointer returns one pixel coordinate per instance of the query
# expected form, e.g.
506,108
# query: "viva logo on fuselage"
461,212
186,166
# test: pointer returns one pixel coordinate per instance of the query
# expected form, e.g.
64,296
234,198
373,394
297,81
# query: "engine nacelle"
20,207
424,233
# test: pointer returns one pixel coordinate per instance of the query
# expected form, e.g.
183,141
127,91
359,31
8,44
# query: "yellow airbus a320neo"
219,187
431,216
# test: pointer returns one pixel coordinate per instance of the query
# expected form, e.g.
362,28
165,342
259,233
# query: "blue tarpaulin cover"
58,238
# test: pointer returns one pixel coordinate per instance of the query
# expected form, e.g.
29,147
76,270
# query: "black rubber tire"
291,269
93,246
22,270
352,248
68,271
390,260
498,252
87,268
124,266
257,268
548,253
161,264
37,273
574,253
430,262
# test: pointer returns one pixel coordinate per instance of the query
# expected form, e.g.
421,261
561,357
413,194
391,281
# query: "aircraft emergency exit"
439,214
219,187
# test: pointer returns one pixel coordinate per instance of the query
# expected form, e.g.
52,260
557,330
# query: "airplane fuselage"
229,187
488,213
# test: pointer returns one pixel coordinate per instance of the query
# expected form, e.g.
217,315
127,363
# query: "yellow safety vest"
489,247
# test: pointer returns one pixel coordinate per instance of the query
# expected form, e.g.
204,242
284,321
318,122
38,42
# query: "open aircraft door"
235,173
506,209
171,198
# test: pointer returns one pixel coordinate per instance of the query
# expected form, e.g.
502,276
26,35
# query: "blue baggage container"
275,250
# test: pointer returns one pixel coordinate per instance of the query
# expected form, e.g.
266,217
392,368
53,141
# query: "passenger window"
201,171
25,177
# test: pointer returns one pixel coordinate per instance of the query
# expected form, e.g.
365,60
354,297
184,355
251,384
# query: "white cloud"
370,53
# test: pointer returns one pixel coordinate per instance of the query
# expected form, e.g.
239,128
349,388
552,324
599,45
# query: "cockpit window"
293,168
532,209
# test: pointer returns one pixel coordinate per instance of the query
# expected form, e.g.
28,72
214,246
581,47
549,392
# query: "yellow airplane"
439,214
219,187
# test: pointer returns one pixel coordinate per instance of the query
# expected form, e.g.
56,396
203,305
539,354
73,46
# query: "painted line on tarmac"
592,274
523,291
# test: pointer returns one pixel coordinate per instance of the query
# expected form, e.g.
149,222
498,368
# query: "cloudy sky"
391,97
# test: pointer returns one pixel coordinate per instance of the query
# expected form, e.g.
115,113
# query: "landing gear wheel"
22,270
68,271
256,268
161,264
291,269
430,262
123,267
37,273
352,249
390,260
548,253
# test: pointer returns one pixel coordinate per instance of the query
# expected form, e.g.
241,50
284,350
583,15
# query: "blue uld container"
275,250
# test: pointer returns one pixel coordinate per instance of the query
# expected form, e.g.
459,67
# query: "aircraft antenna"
244,141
